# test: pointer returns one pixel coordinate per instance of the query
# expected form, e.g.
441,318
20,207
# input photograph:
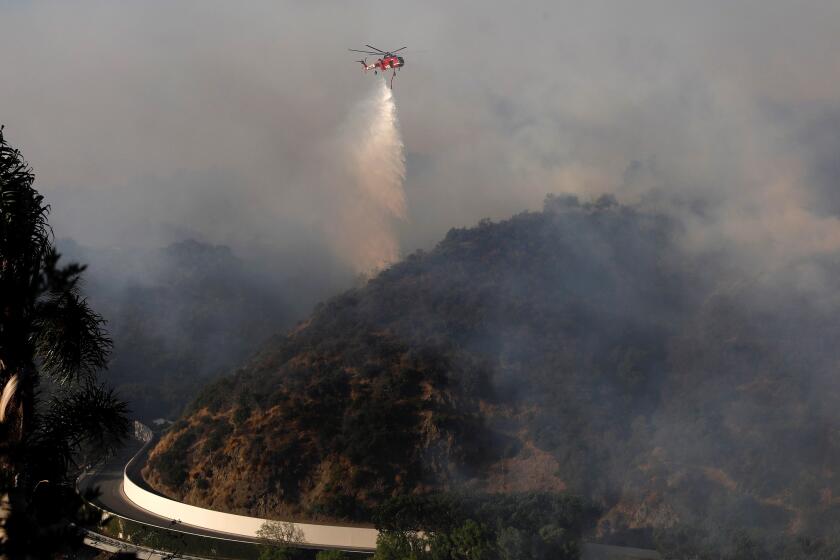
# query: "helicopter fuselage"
385,63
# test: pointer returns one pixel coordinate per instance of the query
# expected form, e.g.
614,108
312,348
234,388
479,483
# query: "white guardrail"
327,536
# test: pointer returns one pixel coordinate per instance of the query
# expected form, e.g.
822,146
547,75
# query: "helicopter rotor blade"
366,52
374,48
398,50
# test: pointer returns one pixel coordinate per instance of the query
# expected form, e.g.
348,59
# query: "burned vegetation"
578,351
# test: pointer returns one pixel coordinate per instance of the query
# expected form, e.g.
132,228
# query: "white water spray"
376,164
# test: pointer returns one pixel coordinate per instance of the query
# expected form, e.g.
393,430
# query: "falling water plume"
376,161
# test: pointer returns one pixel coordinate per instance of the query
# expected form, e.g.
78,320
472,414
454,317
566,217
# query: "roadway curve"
109,480
112,498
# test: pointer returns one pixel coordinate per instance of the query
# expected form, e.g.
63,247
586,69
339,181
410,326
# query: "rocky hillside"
580,349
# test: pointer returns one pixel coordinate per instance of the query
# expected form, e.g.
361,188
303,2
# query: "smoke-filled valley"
184,314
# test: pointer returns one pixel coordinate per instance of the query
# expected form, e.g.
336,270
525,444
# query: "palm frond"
70,339
89,418
25,234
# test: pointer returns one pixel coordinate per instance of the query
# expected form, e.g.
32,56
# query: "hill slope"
579,348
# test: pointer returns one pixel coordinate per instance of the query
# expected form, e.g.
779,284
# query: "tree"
401,545
469,541
52,345
279,540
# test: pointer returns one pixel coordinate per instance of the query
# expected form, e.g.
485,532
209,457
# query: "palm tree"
52,344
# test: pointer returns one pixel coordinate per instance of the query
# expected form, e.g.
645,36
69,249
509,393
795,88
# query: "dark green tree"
469,541
401,545
53,410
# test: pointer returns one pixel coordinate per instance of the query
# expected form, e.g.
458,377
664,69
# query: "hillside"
579,349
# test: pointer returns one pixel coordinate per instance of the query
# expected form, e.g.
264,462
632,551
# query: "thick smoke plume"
375,159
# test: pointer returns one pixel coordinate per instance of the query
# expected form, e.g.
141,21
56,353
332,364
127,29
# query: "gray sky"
150,121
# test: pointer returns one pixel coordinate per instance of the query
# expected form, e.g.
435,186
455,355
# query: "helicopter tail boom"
365,65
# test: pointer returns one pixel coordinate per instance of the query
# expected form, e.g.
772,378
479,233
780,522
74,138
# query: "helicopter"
387,60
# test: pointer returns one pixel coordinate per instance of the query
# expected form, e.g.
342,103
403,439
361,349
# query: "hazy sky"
150,121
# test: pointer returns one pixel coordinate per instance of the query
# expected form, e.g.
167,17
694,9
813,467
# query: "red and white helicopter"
387,61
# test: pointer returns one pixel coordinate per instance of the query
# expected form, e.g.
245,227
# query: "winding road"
109,479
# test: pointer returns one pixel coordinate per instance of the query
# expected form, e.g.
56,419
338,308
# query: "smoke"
364,233
175,130
183,314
